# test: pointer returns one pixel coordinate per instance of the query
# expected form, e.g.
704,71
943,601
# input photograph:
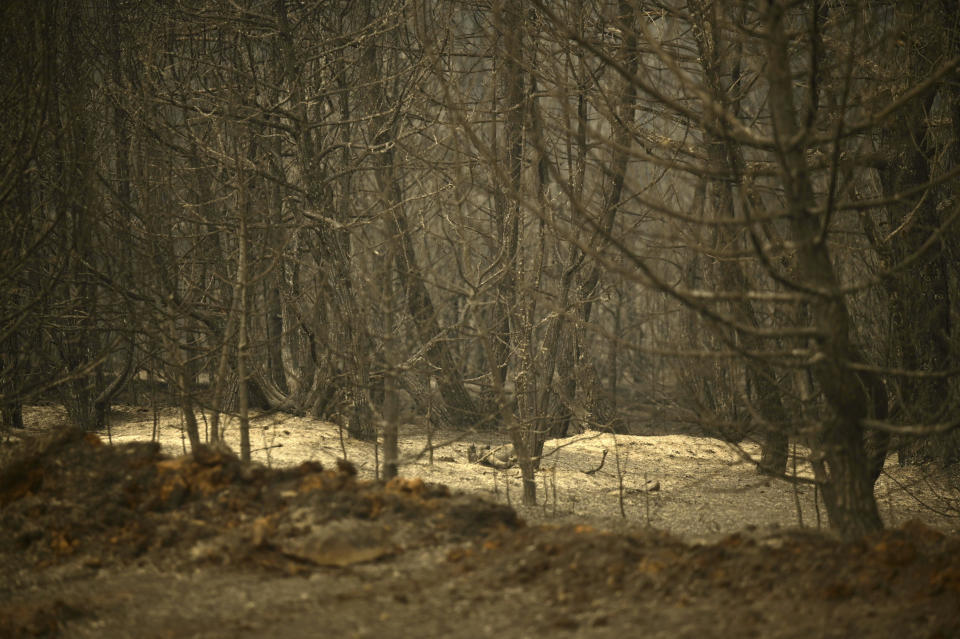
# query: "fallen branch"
594,470
501,457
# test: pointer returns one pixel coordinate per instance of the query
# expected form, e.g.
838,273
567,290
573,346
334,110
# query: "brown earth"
100,540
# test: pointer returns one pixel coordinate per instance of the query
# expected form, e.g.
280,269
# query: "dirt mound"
101,540
71,495
909,578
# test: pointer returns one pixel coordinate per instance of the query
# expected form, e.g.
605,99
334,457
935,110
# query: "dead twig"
593,471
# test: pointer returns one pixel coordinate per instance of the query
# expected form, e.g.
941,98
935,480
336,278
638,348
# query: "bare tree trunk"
104,400
178,367
563,337
276,236
845,471
919,297
333,253
509,330
274,325
462,410
390,407
510,18
219,382
11,408
243,402
243,408
727,158
391,394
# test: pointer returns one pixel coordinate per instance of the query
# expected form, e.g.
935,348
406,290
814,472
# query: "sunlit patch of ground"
693,487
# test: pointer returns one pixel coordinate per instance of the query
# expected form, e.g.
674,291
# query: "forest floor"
112,535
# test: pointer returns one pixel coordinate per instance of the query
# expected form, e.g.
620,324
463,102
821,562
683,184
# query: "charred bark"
844,470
